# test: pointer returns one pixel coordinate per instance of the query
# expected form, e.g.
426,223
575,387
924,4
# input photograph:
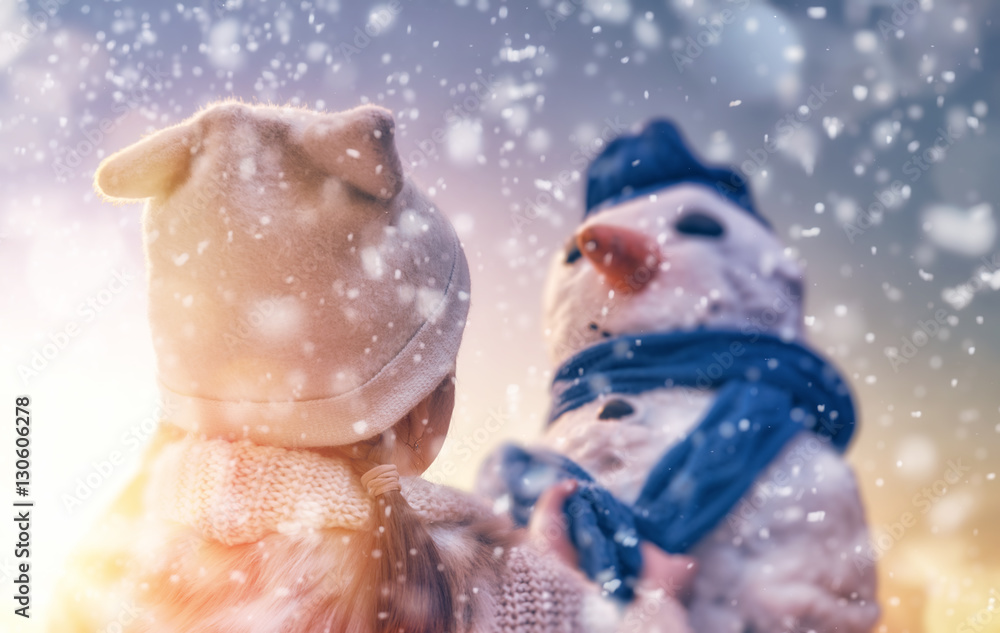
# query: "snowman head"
667,244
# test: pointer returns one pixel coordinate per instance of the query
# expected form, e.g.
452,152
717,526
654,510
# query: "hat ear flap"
153,167
359,147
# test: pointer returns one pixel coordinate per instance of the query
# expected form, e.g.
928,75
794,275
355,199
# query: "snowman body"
783,559
788,556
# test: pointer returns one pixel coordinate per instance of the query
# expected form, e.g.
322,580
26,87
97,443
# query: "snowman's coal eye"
615,410
700,225
572,252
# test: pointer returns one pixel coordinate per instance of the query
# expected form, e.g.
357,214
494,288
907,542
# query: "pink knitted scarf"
239,492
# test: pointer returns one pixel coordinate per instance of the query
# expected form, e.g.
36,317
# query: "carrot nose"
620,254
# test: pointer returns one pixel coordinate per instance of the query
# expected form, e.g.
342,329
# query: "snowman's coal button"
611,464
615,410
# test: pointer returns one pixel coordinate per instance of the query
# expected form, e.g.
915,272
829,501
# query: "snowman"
688,406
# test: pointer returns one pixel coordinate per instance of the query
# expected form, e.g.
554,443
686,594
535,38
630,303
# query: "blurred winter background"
884,185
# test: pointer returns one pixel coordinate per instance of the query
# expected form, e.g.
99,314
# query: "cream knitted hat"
302,292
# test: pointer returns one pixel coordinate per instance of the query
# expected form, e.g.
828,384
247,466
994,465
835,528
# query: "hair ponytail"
401,585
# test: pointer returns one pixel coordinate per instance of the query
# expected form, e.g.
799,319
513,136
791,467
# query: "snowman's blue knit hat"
657,157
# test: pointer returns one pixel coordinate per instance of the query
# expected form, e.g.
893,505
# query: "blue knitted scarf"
766,391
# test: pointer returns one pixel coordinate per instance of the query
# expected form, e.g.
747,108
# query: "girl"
307,305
